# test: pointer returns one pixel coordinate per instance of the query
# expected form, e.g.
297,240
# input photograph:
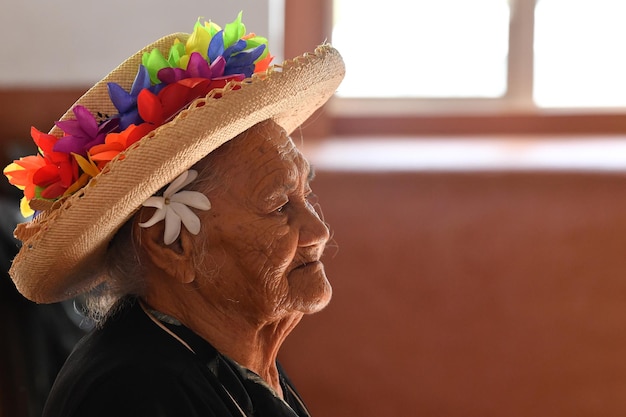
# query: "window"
459,48
423,48
471,66
579,58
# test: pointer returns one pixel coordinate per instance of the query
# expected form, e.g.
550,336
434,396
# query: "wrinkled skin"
265,239
254,270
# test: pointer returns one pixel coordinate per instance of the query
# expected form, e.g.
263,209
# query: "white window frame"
308,23
518,97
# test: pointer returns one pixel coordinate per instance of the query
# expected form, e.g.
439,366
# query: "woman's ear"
176,259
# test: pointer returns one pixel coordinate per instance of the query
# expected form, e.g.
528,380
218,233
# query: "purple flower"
197,67
83,132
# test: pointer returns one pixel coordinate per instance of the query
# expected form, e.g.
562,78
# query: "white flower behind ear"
173,207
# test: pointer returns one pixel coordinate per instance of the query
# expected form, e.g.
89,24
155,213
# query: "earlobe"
174,260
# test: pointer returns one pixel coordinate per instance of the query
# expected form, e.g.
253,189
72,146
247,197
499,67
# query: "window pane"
423,48
579,53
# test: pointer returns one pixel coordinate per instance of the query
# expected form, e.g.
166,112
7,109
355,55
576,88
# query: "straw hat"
68,239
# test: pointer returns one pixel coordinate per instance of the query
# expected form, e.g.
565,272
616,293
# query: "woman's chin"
309,288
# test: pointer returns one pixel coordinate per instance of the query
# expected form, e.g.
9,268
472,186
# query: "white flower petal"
172,226
156,217
175,185
154,201
193,199
172,207
180,182
192,174
188,217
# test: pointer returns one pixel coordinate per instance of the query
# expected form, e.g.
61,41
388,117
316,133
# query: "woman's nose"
313,231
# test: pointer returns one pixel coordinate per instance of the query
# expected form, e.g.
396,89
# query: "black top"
133,367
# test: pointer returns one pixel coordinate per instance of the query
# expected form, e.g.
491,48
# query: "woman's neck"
254,344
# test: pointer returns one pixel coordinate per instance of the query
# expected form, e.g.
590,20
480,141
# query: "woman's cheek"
275,227
281,230
277,247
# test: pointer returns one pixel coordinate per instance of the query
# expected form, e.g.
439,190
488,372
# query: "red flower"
171,100
59,171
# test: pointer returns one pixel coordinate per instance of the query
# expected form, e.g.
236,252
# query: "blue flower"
126,102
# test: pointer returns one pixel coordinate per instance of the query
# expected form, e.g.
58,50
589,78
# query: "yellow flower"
199,41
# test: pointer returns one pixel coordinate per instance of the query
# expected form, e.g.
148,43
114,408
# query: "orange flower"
263,64
118,142
20,173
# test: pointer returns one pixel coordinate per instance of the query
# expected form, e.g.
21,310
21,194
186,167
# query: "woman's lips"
308,265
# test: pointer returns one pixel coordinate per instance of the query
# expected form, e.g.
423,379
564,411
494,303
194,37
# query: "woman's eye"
281,208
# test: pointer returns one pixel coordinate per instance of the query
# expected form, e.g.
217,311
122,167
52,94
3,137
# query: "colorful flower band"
209,59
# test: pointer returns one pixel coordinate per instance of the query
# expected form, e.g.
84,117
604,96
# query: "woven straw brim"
63,245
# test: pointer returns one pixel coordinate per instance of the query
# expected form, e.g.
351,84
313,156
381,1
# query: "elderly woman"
179,206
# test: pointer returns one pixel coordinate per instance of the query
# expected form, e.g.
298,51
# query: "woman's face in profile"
265,239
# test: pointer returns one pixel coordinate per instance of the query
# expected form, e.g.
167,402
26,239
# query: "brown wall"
469,294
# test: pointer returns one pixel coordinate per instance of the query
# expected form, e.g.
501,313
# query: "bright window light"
579,53
423,48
